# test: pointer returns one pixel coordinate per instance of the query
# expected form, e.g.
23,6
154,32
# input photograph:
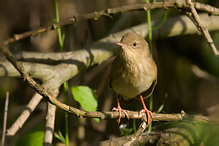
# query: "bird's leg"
120,110
149,113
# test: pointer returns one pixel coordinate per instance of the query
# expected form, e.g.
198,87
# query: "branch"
200,27
107,12
206,8
30,108
24,115
5,118
50,123
135,136
187,132
99,55
150,138
50,117
75,111
45,66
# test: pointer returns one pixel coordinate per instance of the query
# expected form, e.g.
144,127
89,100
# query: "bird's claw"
120,110
149,114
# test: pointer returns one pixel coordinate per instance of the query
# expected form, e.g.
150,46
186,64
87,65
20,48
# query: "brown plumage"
133,71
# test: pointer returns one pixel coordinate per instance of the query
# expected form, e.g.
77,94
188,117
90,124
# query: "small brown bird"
133,72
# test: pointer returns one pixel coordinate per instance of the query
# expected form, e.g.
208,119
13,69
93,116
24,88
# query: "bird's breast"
132,77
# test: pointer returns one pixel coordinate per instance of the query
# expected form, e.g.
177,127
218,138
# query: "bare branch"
5,118
24,115
50,123
30,108
206,8
200,27
140,130
179,5
170,134
72,62
75,111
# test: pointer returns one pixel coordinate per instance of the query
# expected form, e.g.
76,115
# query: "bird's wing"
148,92
110,83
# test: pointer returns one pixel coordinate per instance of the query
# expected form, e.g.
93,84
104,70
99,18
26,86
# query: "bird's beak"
121,44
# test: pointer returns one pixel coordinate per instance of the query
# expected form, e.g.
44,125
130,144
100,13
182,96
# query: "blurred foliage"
189,132
125,130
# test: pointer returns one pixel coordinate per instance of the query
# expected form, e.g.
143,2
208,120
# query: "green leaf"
86,97
32,139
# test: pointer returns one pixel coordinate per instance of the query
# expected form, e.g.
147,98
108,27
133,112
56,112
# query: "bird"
133,72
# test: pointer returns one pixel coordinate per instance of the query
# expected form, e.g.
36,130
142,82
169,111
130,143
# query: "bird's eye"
134,44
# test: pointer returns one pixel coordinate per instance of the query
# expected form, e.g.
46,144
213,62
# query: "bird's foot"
120,110
149,114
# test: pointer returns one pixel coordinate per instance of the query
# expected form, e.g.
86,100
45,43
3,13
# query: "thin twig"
5,118
206,8
200,27
140,130
107,12
24,115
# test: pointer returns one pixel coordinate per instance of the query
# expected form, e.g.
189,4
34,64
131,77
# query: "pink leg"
149,113
120,110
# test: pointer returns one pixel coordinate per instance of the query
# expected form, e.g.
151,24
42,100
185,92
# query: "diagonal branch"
140,130
24,115
200,27
81,113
